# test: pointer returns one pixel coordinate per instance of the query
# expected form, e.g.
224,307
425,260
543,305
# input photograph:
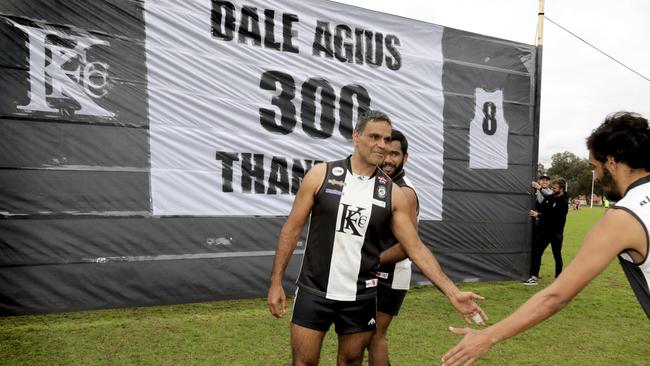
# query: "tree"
575,170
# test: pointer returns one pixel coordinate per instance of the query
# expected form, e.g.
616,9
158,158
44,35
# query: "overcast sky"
580,86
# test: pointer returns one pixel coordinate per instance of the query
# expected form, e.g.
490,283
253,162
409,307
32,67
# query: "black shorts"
389,300
318,313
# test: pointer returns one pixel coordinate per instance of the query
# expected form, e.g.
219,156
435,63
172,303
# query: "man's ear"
406,157
610,164
355,136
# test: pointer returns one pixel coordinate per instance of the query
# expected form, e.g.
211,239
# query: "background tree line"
575,170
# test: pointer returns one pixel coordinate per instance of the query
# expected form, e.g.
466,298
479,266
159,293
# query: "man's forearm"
393,254
287,242
430,267
541,306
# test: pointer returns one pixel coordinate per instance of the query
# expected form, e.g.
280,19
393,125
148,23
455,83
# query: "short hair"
370,115
560,182
624,136
397,135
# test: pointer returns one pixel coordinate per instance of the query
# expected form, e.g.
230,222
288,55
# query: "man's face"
394,160
604,177
543,182
371,144
557,191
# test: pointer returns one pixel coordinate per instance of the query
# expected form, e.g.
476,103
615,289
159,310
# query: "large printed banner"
245,96
151,150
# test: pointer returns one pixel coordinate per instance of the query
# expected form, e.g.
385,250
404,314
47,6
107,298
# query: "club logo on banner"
62,81
488,132
249,97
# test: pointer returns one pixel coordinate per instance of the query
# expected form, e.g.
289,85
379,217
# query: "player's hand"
533,213
473,345
277,301
535,185
464,303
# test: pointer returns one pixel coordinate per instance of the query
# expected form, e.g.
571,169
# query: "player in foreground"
351,205
619,151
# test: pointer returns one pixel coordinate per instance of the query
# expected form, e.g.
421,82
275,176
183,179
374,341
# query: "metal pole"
536,83
566,188
592,188
539,39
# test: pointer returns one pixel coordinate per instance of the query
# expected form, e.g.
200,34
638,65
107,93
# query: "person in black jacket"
551,215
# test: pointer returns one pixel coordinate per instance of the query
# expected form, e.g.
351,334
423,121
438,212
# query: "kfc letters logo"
61,79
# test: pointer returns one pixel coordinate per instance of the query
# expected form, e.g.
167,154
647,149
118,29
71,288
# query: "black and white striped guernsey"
637,202
397,275
350,216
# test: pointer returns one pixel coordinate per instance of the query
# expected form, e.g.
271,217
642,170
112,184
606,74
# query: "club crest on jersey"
382,179
371,283
381,191
337,171
383,275
61,78
352,219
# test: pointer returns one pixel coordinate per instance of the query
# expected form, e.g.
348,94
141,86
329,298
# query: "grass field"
604,325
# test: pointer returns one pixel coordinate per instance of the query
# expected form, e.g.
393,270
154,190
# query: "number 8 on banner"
488,132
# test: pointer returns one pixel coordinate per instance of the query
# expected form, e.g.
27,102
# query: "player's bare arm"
617,231
396,253
289,235
405,232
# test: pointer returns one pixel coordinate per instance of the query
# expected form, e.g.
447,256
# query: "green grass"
604,325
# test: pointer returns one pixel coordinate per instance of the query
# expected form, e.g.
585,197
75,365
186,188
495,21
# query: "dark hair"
560,182
624,136
397,135
370,115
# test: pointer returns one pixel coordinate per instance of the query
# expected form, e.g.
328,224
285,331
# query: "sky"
580,86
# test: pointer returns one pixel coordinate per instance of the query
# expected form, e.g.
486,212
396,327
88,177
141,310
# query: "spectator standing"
551,215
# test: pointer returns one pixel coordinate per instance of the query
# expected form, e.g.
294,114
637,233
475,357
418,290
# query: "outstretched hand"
464,303
473,345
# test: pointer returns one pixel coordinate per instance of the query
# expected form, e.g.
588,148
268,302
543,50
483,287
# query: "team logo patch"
336,182
337,171
352,219
383,275
382,179
381,191
371,283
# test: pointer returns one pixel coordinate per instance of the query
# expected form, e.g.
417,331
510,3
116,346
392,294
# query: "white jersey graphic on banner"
488,132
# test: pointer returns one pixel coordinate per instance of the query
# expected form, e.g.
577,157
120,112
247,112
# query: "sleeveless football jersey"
397,275
350,216
637,202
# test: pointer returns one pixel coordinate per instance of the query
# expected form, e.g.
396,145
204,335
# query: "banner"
150,151
255,92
